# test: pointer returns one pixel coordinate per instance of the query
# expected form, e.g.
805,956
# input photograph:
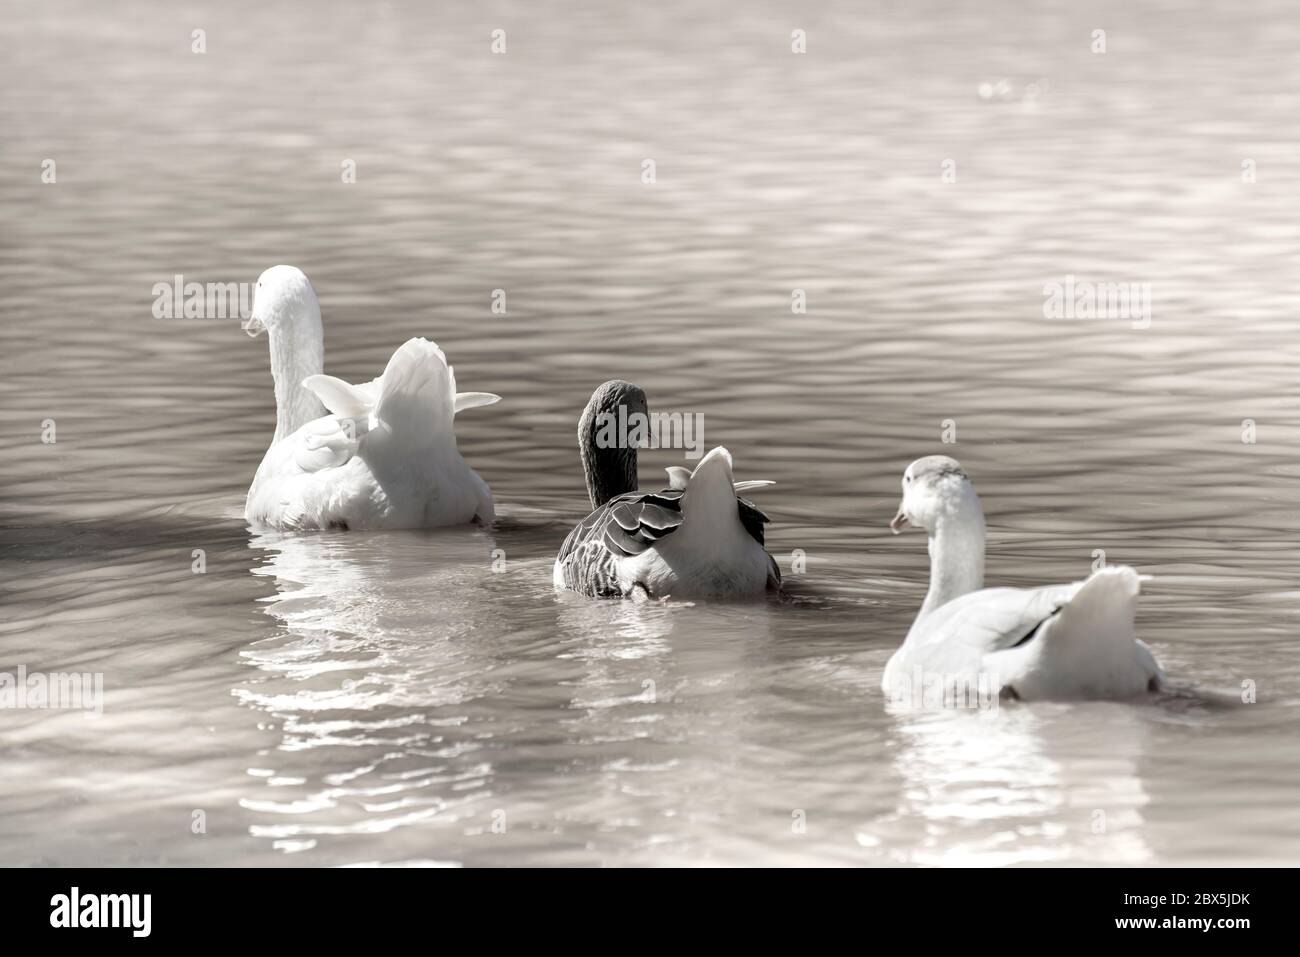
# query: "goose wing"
624,526
955,637
332,440
753,518
1088,648
464,400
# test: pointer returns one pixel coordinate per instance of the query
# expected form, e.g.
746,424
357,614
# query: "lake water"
391,698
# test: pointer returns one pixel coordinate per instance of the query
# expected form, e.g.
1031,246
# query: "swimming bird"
694,538
1058,641
383,455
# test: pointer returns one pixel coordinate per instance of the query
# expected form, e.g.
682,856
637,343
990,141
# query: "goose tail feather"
1088,648
417,394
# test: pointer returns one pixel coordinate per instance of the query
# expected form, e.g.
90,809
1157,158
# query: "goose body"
381,454
694,538
1068,641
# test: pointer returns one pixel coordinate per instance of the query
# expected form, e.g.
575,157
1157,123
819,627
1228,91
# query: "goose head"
605,432
284,306
286,309
936,489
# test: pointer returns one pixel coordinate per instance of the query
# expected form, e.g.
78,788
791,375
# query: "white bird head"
285,303
934,488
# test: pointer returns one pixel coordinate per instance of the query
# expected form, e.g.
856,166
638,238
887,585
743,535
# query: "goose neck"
609,457
956,557
291,362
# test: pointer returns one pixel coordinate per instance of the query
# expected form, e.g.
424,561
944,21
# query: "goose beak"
253,326
899,523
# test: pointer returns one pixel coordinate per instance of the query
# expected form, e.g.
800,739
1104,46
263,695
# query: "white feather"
385,458
474,400
678,478
1075,640
711,553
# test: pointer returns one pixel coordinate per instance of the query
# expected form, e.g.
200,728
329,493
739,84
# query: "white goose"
1057,641
384,456
694,538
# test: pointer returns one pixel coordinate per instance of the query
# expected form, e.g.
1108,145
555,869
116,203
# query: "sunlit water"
426,697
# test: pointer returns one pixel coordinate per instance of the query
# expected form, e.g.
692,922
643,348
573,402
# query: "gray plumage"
610,470
627,525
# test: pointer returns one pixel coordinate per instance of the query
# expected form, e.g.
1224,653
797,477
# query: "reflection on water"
375,668
398,704
425,697
1002,788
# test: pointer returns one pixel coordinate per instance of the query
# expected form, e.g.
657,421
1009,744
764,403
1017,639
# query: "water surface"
406,698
